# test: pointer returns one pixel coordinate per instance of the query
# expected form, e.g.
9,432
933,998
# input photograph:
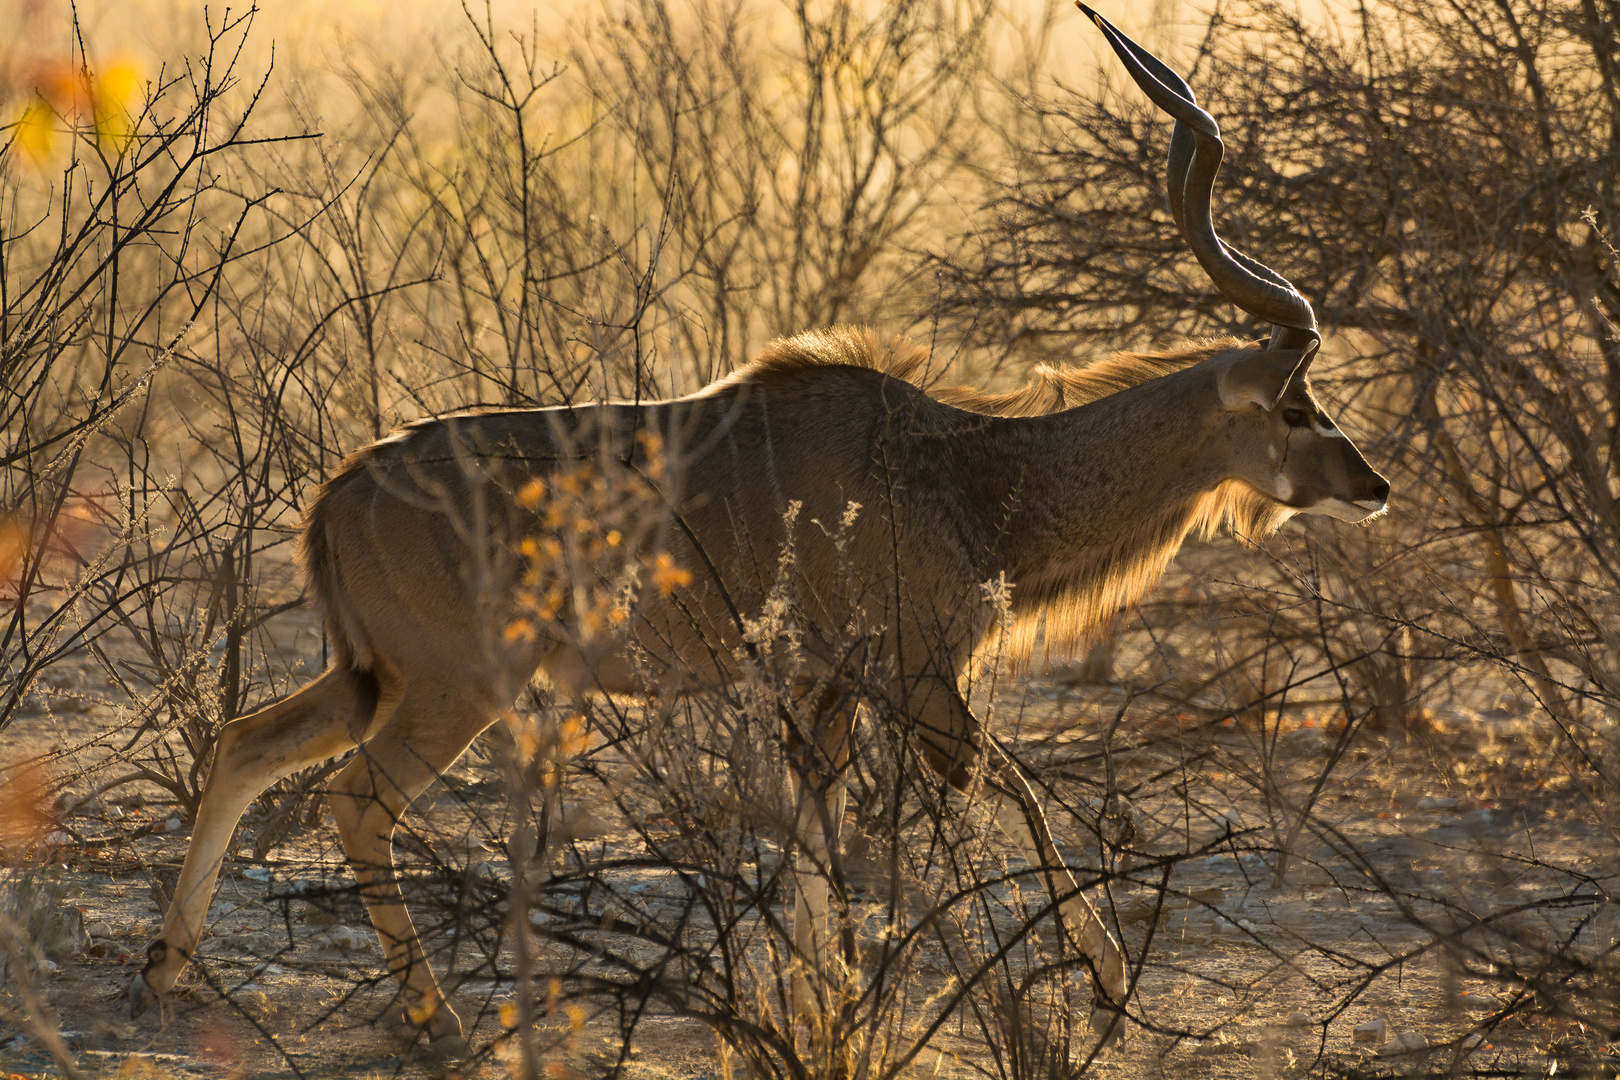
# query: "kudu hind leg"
426,734
318,722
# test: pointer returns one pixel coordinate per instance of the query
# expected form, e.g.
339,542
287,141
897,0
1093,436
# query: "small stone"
1364,920
1407,1042
255,943
1212,896
99,930
1473,1042
344,938
1307,740
1436,802
174,824
62,936
1298,1019
1372,1031
1480,817
258,873
59,838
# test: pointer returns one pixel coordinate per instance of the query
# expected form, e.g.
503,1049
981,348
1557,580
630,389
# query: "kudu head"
1280,440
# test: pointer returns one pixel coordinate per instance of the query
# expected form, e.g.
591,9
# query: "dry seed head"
998,594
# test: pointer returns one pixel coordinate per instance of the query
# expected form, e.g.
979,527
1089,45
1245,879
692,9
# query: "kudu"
1079,489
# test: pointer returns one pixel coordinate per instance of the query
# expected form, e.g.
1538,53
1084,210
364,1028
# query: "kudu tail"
318,556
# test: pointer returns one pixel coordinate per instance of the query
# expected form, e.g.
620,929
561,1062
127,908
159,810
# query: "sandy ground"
1275,979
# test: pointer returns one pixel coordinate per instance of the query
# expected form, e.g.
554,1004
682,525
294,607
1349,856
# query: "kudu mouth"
1373,505
1378,503
1194,159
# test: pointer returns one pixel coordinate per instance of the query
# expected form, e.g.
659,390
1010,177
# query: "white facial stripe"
1285,488
1329,432
1375,505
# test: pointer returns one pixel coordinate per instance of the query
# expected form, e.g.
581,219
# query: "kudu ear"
1260,378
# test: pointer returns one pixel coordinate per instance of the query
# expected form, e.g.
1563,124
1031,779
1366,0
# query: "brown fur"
1067,605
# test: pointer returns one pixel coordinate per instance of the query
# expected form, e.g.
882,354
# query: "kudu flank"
1078,488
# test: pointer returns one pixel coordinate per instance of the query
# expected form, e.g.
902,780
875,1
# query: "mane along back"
1052,390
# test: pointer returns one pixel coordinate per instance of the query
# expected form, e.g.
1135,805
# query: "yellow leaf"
530,495
36,131
113,95
667,576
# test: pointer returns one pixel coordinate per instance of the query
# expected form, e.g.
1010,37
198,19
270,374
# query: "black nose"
1381,490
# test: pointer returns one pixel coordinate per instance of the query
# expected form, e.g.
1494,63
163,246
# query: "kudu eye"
1295,417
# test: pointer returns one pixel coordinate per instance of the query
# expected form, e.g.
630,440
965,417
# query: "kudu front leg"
951,741
820,795
1023,819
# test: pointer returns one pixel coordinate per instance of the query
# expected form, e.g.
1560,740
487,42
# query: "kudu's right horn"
1195,157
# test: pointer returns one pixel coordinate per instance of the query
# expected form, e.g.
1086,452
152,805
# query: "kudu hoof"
449,1049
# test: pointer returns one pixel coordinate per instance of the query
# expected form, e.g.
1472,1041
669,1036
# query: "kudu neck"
1085,481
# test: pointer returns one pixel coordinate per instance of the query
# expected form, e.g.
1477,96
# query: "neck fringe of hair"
1072,599
1068,601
